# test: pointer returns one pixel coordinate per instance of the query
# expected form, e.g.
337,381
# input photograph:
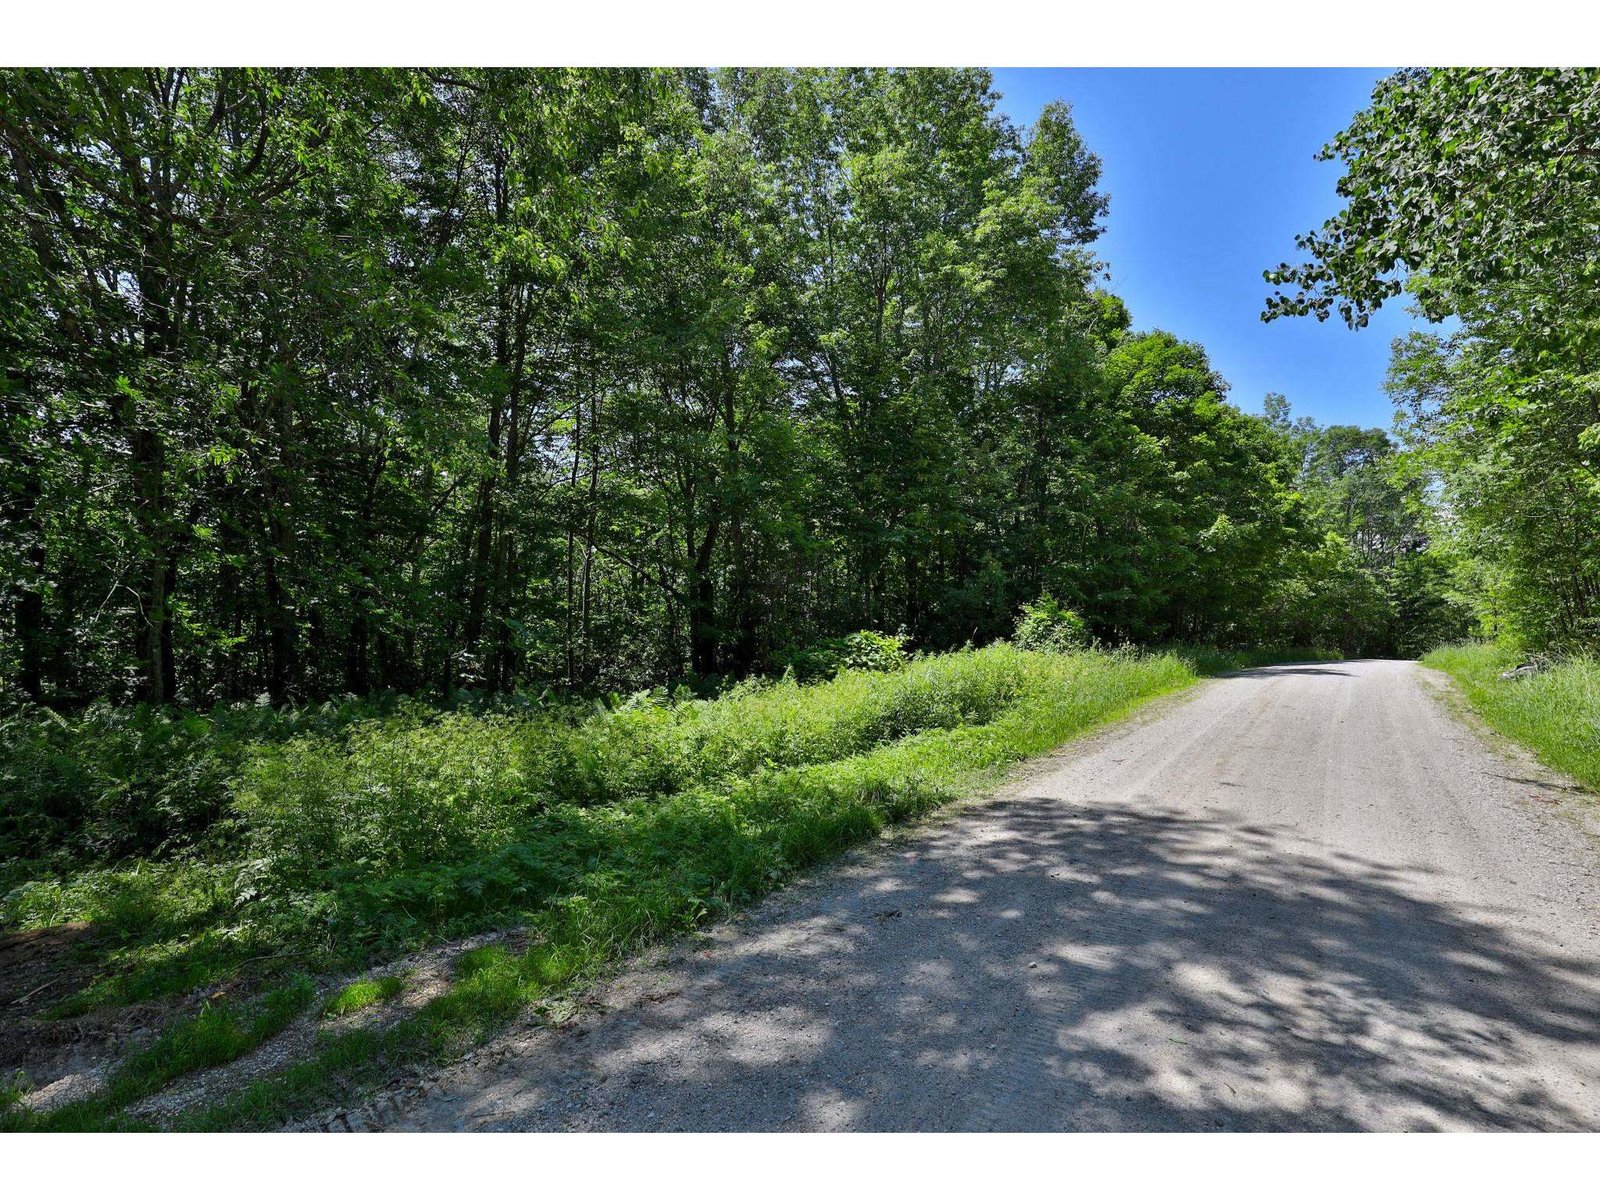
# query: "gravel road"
1300,897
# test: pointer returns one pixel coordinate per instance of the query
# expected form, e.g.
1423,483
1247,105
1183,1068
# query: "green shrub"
627,749
391,794
1047,625
869,650
410,801
864,650
114,782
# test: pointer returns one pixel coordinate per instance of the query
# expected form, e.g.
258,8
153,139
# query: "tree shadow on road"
1063,967
1283,669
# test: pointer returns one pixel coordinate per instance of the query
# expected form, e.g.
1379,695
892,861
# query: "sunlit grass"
363,993
1555,713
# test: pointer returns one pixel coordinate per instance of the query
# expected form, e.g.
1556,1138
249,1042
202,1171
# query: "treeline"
323,382
1476,194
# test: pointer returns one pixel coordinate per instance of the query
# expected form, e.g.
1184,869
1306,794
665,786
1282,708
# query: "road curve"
1300,897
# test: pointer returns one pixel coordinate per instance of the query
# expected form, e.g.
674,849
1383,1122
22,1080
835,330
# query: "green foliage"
112,782
1381,579
1428,602
1555,713
868,650
451,805
162,899
613,379
1476,191
1047,625
389,794
407,828
864,650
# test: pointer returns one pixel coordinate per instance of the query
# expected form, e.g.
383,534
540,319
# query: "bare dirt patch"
59,1060
426,975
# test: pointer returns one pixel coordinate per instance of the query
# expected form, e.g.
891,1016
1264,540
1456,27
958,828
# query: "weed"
217,1034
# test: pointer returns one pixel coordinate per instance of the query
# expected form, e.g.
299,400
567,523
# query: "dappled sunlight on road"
1165,957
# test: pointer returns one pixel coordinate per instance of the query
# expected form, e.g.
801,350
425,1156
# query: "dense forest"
323,382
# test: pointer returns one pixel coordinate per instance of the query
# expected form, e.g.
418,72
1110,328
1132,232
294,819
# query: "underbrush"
598,835
375,837
112,783
1555,713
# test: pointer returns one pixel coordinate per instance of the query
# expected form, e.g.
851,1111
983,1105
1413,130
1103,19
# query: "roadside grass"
639,823
1555,713
697,857
12,1091
348,846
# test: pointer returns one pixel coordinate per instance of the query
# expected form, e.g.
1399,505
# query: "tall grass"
677,811
398,794
643,870
1555,713
374,836
599,836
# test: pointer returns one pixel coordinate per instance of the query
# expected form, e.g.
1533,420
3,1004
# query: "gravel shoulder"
1299,897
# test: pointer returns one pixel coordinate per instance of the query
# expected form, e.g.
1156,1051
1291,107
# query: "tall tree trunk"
501,665
283,666
480,571
29,615
152,638
278,618
586,586
20,510
742,604
702,603
357,670
572,490
169,657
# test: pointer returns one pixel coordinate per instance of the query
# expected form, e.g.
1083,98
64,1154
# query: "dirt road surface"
1302,897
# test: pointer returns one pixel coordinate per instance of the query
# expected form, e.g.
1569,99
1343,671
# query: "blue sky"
1211,174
